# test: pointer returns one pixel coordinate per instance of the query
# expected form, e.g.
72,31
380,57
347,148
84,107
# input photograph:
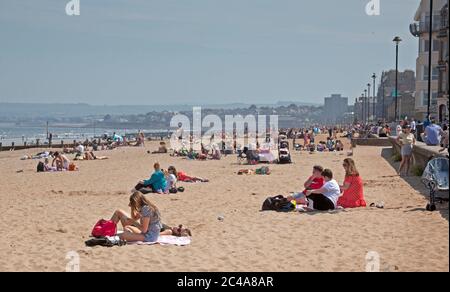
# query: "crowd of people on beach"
321,190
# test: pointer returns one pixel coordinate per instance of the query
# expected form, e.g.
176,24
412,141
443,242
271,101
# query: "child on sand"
171,182
315,181
326,197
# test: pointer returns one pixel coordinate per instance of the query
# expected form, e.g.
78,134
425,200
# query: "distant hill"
33,110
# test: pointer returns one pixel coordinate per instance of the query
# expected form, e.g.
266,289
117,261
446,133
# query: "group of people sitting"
60,162
165,181
323,193
330,145
206,152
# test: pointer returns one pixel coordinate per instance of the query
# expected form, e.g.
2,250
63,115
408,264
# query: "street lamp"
365,106
368,103
382,85
430,52
374,76
397,41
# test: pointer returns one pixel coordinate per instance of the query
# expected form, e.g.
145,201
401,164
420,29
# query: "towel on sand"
166,239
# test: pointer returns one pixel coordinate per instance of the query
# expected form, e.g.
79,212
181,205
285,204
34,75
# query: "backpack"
277,203
104,228
40,167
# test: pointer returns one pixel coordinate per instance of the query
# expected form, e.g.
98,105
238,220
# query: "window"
425,45
435,73
425,98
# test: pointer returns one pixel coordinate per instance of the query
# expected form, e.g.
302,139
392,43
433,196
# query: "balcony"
421,27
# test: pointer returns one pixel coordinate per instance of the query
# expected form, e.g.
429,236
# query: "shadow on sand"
416,184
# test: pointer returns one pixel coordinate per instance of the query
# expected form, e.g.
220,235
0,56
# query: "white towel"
166,239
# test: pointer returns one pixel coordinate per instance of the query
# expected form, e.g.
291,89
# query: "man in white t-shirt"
79,148
326,197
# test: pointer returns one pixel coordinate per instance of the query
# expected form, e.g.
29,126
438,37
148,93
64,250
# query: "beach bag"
40,167
104,228
72,167
277,203
263,170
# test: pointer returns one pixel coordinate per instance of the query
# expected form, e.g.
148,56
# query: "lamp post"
365,105
382,85
430,53
397,41
374,76
368,103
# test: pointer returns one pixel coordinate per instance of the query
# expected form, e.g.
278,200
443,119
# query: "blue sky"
197,51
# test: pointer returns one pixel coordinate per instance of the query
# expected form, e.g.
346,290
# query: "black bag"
277,203
104,241
40,167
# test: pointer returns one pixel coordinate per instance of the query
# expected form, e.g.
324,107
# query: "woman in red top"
353,189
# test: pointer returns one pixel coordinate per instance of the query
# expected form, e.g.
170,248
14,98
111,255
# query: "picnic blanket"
167,240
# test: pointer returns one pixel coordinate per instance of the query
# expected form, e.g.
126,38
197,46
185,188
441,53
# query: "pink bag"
104,228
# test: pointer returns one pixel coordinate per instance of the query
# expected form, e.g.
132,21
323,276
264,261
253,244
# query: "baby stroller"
435,178
284,156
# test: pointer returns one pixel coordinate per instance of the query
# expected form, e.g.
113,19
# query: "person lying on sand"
157,182
181,176
178,231
89,155
144,224
315,181
326,197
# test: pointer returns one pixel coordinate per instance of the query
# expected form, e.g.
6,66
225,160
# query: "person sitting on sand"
47,166
181,176
314,182
330,144
157,182
339,145
162,148
60,161
326,197
79,149
144,224
216,155
171,181
353,187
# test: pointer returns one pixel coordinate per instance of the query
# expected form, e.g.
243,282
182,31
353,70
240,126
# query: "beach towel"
167,240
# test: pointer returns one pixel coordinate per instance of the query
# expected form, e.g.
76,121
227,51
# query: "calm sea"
19,134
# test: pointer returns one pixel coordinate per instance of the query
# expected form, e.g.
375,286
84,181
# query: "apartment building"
420,29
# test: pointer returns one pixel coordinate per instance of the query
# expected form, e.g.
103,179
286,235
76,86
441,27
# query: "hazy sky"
197,51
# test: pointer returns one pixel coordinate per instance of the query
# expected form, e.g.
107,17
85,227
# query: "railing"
424,26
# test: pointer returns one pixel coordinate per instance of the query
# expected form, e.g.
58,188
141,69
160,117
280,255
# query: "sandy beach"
47,215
